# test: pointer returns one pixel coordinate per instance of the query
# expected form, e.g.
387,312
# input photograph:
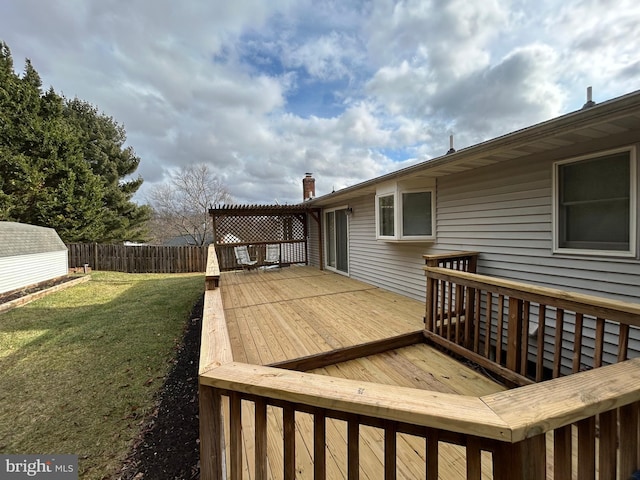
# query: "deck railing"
527,334
579,419
291,252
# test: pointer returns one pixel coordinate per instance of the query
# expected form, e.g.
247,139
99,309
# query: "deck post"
211,434
525,460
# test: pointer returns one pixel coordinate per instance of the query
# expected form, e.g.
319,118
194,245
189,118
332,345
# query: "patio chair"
243,258
272,255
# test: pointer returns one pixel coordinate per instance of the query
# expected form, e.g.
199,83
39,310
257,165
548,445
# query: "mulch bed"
168,446
23,292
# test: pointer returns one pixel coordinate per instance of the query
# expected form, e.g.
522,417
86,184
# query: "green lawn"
79,368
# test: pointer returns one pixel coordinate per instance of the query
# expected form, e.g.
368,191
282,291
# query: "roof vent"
590,103
451,149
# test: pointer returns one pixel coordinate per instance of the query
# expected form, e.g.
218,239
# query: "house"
554,204
29,254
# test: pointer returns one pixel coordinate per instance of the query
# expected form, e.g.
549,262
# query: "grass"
80,367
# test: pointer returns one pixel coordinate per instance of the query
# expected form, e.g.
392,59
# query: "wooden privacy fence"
138,258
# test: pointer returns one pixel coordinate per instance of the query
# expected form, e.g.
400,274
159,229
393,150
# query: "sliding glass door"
336,240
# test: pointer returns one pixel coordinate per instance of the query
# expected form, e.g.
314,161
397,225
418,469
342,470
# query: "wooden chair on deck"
243,258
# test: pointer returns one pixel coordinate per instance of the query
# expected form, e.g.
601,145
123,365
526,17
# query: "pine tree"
62,164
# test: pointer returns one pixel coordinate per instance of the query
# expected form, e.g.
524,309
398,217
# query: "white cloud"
266,91
327,57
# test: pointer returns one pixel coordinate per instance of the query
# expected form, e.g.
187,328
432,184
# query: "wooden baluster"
443,306
353,449
469,317
431,439
542,314
289,420
474,458
431,304
562,457
500,323
599,345
577,342
458,311
450,308
487,333
477,315
235,432
514,333
607,447
557,353
319,445
623,342
261,439
390,451
587,449
524,338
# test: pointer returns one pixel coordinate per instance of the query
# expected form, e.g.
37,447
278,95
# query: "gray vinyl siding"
507,217
505,214
313,245
23,270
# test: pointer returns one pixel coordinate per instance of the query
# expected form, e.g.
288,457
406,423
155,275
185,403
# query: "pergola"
256,226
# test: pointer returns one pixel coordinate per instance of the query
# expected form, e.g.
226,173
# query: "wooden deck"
277,316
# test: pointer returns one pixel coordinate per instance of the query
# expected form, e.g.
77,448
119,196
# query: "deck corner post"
211,433
526,460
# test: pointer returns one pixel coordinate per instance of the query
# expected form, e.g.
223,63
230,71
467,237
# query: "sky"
264,91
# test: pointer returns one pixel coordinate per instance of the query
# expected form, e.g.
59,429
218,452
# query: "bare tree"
181,206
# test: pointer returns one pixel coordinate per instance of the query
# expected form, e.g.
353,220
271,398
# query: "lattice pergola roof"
260,210
238,224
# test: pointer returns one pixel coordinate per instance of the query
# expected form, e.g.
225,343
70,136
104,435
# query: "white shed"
30,254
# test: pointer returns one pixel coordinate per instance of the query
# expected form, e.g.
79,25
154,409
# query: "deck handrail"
510,416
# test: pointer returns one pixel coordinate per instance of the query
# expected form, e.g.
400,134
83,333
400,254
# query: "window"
595,205
416,214
404,213
385,217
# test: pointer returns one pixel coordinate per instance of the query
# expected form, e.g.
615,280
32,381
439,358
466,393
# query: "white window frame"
397,189
633,202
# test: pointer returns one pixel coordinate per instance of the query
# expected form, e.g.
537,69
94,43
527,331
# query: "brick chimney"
308,187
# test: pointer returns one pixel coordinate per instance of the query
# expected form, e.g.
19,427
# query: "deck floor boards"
283,314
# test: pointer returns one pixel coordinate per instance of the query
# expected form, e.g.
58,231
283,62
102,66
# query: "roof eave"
600,113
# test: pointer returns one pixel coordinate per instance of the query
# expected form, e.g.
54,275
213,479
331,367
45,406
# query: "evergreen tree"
60,169
102,141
